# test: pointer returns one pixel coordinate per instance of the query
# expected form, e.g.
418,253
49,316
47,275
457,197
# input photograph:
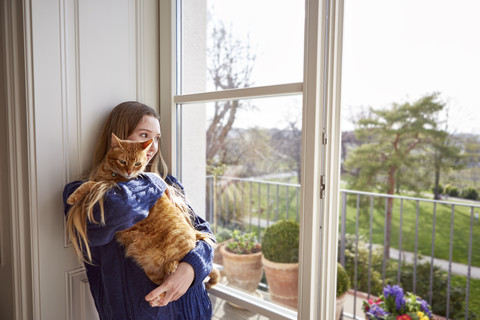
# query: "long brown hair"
122,121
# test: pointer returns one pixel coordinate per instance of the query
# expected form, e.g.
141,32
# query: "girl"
119,287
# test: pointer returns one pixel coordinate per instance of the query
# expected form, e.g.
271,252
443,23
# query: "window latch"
322,186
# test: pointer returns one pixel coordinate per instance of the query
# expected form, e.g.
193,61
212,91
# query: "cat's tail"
205,237
214,277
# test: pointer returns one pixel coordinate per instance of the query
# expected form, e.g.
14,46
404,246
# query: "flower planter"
282,279
243,271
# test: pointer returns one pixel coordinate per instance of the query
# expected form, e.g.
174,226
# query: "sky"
398,51
393,51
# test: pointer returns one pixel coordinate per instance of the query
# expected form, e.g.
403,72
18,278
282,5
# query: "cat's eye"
138,164
122,161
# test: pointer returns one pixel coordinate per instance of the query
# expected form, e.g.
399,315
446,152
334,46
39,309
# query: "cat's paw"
81,191
170,267
74,197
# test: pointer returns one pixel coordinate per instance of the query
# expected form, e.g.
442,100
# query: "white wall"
81,58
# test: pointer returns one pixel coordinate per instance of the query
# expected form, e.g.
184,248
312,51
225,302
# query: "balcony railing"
430,241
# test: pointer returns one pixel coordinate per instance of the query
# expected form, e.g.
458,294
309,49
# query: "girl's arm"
192,270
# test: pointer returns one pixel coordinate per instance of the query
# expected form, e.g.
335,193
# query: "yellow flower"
422,315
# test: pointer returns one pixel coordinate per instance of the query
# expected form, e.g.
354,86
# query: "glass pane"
230,44
410,129
241,165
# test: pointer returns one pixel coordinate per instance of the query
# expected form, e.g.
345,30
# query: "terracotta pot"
339,306
282,279
217,257
243,271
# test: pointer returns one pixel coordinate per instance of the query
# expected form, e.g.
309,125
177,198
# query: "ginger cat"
158,242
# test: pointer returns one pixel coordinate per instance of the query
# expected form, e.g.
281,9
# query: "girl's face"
148,128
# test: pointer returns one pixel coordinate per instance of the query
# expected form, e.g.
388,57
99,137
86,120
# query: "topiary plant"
280,242
343,281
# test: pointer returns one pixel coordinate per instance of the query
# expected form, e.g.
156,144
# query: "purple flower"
376,312
425,307
396,293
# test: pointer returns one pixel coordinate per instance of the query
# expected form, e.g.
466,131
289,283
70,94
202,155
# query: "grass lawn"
420,226
245,201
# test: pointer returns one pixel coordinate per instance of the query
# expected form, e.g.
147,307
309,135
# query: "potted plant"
280,261
395,304
242,261
222,236
343,285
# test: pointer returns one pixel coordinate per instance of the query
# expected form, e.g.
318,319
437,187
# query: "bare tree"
230,66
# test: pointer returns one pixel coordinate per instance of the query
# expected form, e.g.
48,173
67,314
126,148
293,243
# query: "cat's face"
128,158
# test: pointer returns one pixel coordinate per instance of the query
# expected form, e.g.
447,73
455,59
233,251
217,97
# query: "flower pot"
243,271
218,257
282,279
339,306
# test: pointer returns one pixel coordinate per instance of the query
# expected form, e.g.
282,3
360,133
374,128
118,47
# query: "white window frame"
321,119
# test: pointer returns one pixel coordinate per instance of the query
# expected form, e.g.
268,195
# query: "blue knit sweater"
118,285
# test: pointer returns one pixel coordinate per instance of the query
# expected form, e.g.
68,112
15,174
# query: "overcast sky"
393,51
396,51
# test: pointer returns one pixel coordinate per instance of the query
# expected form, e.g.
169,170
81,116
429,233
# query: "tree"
249,152
230,66
391,139
472,158
287,144
445,156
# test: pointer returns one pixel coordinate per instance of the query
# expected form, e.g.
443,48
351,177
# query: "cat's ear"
147,144
115,141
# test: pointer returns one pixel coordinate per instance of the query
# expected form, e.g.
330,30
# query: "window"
242,114
417,59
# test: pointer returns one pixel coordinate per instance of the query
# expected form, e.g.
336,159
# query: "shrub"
470,193
223,234
280,242
441,190
451,190
439,288
363,268
343,281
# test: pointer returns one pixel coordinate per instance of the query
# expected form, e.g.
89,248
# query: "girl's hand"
173,287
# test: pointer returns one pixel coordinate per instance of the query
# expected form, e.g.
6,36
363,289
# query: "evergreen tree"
445,156
392,138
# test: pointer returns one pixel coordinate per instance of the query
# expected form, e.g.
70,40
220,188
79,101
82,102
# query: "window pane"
222,309
243,164
410,128
230,44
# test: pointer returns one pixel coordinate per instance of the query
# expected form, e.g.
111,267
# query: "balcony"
432,252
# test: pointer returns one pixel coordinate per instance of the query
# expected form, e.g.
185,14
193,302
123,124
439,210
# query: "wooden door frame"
17,237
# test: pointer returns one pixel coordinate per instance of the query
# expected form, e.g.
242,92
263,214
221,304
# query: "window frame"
321,119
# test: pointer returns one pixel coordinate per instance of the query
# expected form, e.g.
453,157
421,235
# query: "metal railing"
425,214
253,204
